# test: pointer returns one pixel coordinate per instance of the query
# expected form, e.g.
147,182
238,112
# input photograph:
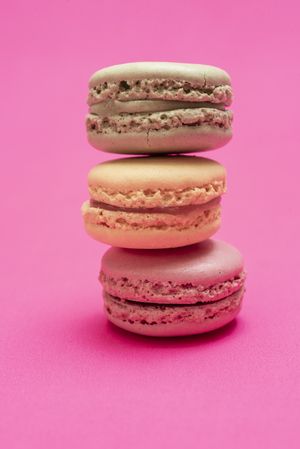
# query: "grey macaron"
159,107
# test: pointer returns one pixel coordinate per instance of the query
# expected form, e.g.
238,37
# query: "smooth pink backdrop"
70,380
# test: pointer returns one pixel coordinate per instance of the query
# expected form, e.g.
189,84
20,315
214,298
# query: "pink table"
68,379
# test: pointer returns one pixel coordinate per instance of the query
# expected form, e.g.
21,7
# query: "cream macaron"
154,202
159,107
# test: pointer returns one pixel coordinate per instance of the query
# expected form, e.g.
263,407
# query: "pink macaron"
180,291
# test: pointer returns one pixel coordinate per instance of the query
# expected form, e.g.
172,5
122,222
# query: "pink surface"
70,380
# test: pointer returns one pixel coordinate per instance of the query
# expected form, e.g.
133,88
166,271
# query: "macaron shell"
167,292
205,74
127,175
171,321
159,89
206,264
143,238
185,139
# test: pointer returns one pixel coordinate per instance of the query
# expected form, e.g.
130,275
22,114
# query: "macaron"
159,107
154,202
173,292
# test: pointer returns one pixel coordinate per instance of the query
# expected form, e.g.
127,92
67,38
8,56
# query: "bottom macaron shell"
171,321
189,139
152,238
152,230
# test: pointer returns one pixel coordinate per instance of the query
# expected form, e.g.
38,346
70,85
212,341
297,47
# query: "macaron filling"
133,106
158,314
176,218
169,292
155,210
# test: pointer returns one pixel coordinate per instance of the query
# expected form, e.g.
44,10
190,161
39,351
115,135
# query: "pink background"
70,380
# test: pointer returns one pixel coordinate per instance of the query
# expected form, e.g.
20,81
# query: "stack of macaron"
158,209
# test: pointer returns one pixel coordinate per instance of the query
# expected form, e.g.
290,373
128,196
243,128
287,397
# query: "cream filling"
155,314
169,292
156,210
112,107
180,218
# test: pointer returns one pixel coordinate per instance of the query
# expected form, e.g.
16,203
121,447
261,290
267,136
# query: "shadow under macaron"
96,332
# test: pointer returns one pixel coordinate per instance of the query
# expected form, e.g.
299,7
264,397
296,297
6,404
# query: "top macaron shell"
159,107
157,181
156,275
204,75
206,263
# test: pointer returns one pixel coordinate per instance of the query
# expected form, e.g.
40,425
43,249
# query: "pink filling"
169,292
